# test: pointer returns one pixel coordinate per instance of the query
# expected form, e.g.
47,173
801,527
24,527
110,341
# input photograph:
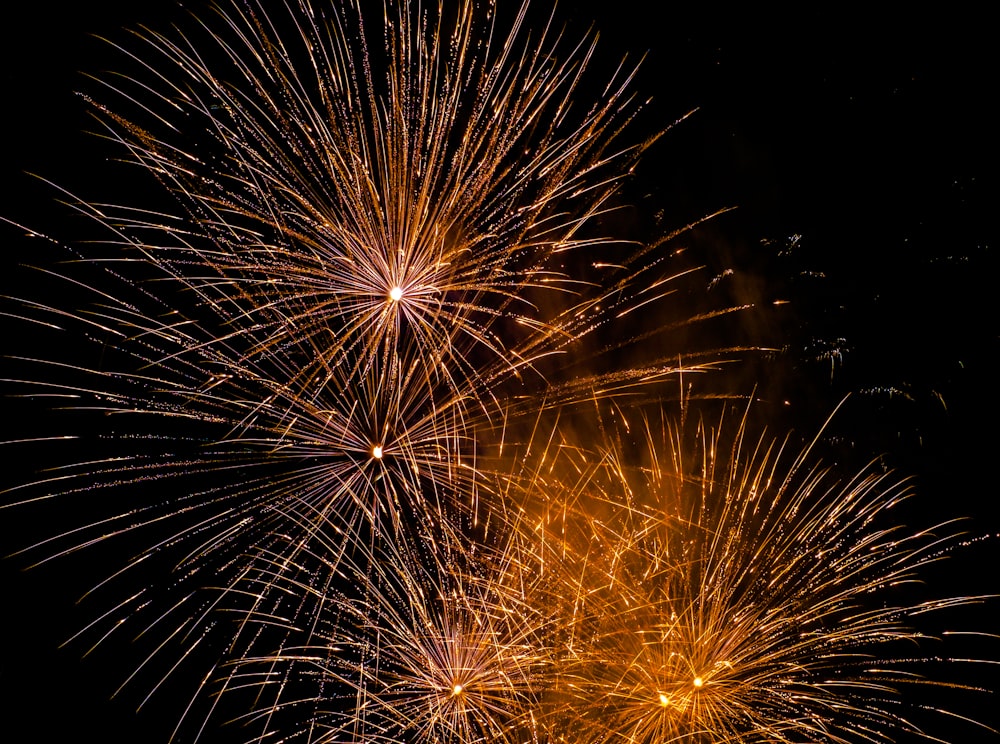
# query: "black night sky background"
861,155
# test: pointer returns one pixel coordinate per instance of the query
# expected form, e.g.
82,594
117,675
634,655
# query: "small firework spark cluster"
379,432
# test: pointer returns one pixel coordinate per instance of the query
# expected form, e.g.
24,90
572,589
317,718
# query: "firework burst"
368,257
713,588
366,264
420,642
305,382
343,218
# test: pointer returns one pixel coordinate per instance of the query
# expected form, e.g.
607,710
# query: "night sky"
861,156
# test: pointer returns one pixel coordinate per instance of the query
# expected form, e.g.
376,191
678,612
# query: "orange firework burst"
302,387
712,588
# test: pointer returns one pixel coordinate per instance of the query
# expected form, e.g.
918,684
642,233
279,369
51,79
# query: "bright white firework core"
377,451
457,689
396,294
663,699
698,682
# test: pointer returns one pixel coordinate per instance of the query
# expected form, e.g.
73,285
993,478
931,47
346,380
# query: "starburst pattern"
376,397
360,268
717,588
407,644
352,220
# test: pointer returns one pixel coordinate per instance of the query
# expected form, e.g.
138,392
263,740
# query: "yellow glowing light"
698,681
377,451
664,700
396,294
457,689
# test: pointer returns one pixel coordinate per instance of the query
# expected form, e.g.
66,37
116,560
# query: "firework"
357,270
302,388
714,588
365,273
343,218
673,584
424,641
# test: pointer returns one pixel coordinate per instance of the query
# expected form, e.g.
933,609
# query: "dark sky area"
862,158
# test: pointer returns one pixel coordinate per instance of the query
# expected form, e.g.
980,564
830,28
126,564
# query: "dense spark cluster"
331,363
430,644
360,270
670,582
711,587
